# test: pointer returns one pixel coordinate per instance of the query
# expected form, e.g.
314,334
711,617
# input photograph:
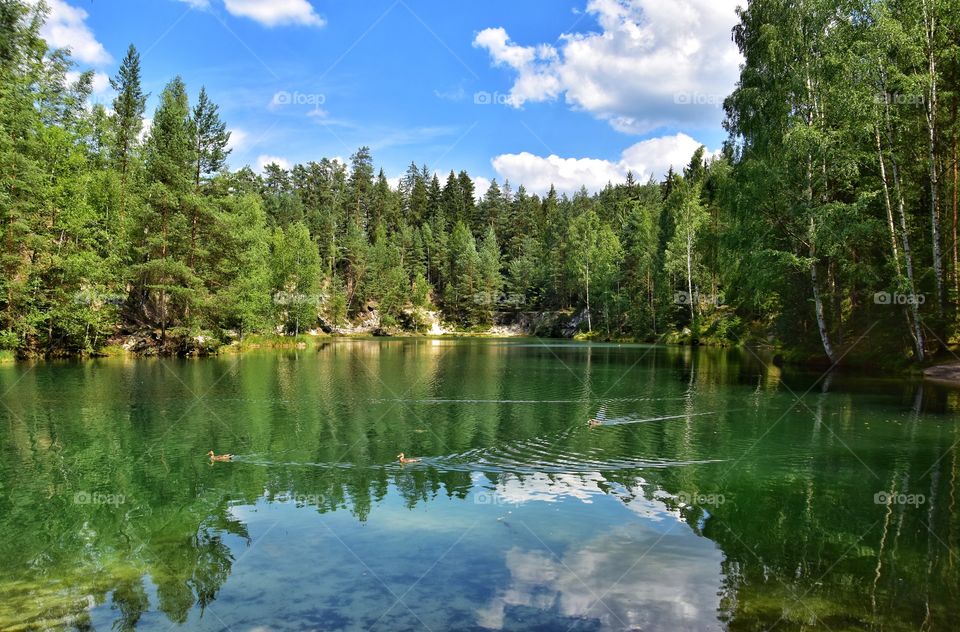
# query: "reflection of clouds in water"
675,586
545,487
513,489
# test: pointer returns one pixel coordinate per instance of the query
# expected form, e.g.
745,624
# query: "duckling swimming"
219,457
593,423
403,459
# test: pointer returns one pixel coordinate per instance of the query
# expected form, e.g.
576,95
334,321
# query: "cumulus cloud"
276,12
268,12
648,158
264,160
654,64
66,27
238,139
100,82
146,129
480,186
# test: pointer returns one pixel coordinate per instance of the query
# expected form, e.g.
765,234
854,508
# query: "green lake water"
718,492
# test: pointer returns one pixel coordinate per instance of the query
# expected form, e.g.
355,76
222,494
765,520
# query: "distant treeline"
827,224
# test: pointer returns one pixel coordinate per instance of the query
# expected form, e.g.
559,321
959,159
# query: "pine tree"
168,284
128,108
211,138
491,279
463,287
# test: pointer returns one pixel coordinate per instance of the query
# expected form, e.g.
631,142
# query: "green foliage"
295,263
9,340
837,182
463,298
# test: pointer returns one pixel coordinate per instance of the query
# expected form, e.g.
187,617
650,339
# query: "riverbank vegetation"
827,224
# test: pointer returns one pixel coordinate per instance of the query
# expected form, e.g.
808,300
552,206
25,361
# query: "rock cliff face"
552,324
152,343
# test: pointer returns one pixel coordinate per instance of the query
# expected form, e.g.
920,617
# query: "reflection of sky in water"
673,587
637,575
545,552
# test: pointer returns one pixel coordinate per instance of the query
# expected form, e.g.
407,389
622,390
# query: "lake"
717,492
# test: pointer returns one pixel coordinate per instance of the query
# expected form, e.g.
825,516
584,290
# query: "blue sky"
537,91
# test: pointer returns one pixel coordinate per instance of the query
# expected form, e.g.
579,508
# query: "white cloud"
238,139
66,27
268,12
145,130
276,12
264,160
480,186
654,64
100,84
647,158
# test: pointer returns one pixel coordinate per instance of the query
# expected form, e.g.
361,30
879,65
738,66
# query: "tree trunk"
193,236
889,207
163,292
917,333
818,301
956,262
693,316
931,111
653,305
589,322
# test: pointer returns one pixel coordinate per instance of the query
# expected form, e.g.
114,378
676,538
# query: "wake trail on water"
541,454
525,401
621,421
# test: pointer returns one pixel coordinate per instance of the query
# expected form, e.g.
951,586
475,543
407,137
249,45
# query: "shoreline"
947,374
310,340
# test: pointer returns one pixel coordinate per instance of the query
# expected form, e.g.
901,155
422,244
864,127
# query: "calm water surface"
718,492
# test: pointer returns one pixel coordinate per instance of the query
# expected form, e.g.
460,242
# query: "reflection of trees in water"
790,530
811,548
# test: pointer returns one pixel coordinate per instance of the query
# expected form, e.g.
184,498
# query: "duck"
403,459
593,423
219,457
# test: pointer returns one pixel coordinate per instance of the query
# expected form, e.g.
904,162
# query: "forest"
826,227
